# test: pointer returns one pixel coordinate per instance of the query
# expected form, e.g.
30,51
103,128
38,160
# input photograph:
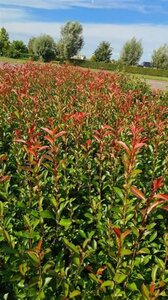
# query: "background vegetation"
71,42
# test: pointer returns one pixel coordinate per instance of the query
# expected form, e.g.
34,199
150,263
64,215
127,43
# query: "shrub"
83,185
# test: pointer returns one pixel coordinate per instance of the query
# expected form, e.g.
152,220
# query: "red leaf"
20,141
50,132
161,196
165,208
122,144
152,287
139,145
30,150
59,134
97,138
43,148
38,247
157,183
137,193
96,132
117,231
107,127
48,157
101,270
3,157
155,205
4,178
126,233
49,139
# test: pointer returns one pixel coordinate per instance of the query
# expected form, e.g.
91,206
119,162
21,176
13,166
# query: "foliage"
71,41
83,185
31,45
43,46
160,57
131,52
118,66
17,49
103,52
4,42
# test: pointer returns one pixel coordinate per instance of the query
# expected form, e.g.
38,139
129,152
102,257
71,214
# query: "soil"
158,85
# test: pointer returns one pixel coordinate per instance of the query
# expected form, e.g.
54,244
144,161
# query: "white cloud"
152,36
56,4
12,14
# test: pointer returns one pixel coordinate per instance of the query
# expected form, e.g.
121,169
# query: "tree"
31,45
43,46
17,49
103,52
4,42
160,57
71,40
131,52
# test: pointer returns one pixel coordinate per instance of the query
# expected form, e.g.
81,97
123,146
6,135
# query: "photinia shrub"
83,185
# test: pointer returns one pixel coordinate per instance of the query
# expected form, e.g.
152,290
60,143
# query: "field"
83,185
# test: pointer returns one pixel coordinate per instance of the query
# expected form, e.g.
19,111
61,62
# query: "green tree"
17,49
31,45
103,52
131,52
4,42
43,46
71,40
160,57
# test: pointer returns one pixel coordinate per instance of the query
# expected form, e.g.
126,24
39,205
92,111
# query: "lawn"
13,60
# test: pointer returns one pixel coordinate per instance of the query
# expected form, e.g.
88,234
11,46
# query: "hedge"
120,67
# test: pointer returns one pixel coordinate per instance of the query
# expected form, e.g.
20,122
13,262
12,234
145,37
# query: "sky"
114,21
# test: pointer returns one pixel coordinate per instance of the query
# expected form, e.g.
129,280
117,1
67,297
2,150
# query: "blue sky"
109,20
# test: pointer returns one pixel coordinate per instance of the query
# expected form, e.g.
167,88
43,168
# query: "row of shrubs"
121,67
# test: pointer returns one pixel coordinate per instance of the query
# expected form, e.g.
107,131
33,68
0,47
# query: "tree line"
71,42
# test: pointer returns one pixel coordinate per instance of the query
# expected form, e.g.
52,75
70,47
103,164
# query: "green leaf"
3,196
160,263
8,238
33,255
53,202
46,214
26,221
47,281
65,222
144,251
76,260
154,271
74,294
41,296
153,236
125,252
89,216
93,277
33,281
107,283
119,278
82,234
145,291
1,209
132,286
118,192
5,297
71,246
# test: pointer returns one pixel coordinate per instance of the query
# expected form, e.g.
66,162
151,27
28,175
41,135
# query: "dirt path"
157,84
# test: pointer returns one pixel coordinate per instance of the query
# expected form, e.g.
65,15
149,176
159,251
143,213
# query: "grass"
13,60
134,75
149,77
